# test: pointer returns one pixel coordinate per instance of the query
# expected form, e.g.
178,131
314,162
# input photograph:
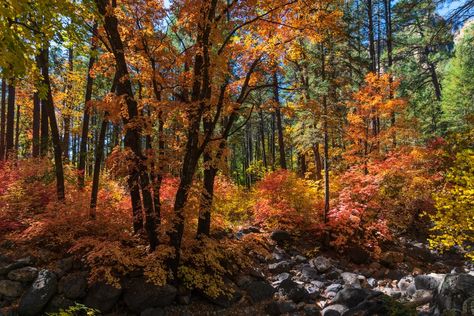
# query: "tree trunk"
86,116
69,101
138,175
17,131
372,57
204,222
49,107
262,138
317,162
36,124
326,139
281,142
3,110
44,140
10,118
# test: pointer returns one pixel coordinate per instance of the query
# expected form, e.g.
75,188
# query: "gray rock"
20,263
280,236
283,276
351,279
454,291
25,274
259,291
102,296
73,285
320,263
411,289
334,310
300,258
428,281
140,294
335,287
279,267
309,273
311,310
404,283
153,312
468,306
10,288
39,294
280,307
372,282
350,297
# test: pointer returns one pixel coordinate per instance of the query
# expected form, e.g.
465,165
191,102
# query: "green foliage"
454,220
458,84
76,310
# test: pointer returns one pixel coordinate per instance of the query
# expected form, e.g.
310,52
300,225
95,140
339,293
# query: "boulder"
10,288
102,296
140,294
279,267
6,267
38,295
404,283
280,236
428,281
259,291
280,307
454,290
25,274
352,279
311,310
350,297
293,291
320,263
309,273
153,312
334,310
73,285
57,303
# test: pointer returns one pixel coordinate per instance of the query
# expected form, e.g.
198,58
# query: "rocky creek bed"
410,281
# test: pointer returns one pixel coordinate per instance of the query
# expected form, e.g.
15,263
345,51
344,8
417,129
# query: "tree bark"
281,142
10,119
36,124
317,161
17,131
3,110
86,116
49,107
69,101
372,66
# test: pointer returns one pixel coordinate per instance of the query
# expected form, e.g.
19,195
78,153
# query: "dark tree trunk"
326,139
44,138
317,162
262,138
10,119
99,153
36,124
67,116
17,131
281,142
372,56
3,110
86,117
138,175
49,107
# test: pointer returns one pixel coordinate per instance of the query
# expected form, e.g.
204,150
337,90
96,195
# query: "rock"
309,273
350,297
411,289
334,310
392,258
38,295
250,230
351,279
373,307
358,255
293,291
73,285
468,306
57,303
153,312
454,290
10,288
102,296
372,282
259,291
20,263
334,288
320,263
280,307
139,294
311,310
25,274
283,276
394,274
279,267
280,236
404,283
300,258
428,281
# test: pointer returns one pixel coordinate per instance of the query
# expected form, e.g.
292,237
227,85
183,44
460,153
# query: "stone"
57,303
428,281
454,290
392,258
350,297
280,236
259,291
10,288
279,267
372,282
468,306
320,263
38,295
73,285
139,294
334,310
411,289
404,283
153,312
20,263
311,310
25,274
280,307
102,296
395,274
351,279
283,276
334,288
309,273
300,258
